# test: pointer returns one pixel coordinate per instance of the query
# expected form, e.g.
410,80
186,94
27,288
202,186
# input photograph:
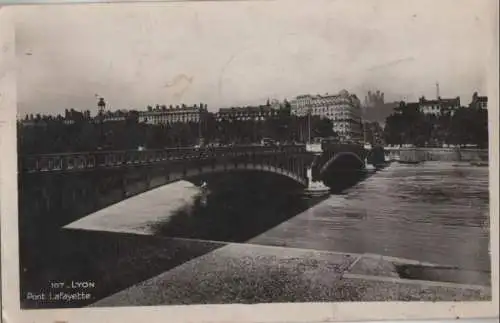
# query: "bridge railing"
106,159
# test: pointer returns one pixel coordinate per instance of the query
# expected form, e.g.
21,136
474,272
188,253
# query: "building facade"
479,102
344,109
439,106
178,114
259,113
113,116
71,116
276,104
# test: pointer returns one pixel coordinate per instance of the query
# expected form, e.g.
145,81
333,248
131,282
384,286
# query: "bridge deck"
103,159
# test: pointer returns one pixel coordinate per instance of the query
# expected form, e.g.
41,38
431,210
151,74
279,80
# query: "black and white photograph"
250,152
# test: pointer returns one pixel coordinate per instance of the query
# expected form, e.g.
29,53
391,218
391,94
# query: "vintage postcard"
255,161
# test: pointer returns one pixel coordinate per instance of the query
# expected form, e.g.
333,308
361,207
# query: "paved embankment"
245,273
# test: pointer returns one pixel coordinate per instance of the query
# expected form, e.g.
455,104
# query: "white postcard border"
299,312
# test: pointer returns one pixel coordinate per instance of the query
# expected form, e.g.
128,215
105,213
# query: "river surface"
434,212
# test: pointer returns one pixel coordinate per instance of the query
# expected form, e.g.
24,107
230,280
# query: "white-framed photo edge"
299,312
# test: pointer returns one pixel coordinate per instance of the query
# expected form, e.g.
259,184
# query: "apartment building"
344,109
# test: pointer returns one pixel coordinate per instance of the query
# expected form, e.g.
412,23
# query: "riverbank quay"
404,211
133,269
418,154
246,273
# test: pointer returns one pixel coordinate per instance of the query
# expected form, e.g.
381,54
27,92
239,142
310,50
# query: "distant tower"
101,105
437,91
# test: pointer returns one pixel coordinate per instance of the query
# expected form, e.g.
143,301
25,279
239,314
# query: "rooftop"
343,93
245,109
439,100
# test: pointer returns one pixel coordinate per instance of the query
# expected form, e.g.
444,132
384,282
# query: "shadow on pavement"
112,261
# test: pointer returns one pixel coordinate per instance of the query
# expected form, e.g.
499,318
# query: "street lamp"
202,114
101,105
309,111
200,120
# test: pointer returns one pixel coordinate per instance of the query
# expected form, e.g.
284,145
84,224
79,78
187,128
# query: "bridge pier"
315,187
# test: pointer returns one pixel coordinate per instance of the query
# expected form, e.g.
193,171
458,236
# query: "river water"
434,212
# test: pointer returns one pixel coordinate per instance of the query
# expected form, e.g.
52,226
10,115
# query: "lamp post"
309,123
201,118
364,127
101,105
199,126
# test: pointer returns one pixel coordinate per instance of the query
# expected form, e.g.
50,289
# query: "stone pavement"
249,273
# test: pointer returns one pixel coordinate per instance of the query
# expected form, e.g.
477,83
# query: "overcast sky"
234,53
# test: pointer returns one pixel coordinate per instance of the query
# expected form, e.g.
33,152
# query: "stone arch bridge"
65,187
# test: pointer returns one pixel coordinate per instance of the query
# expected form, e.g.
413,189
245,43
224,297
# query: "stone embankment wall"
443,154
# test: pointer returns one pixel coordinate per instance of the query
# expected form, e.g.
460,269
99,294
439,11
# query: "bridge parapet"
106,159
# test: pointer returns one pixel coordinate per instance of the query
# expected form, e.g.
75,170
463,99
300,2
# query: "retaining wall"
443,154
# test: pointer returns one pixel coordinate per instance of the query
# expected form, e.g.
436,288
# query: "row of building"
444,106
344,109
180,113
375,109
185,114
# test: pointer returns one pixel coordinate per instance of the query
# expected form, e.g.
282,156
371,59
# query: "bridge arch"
231,168
69,186
342,171
197,175
343,161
